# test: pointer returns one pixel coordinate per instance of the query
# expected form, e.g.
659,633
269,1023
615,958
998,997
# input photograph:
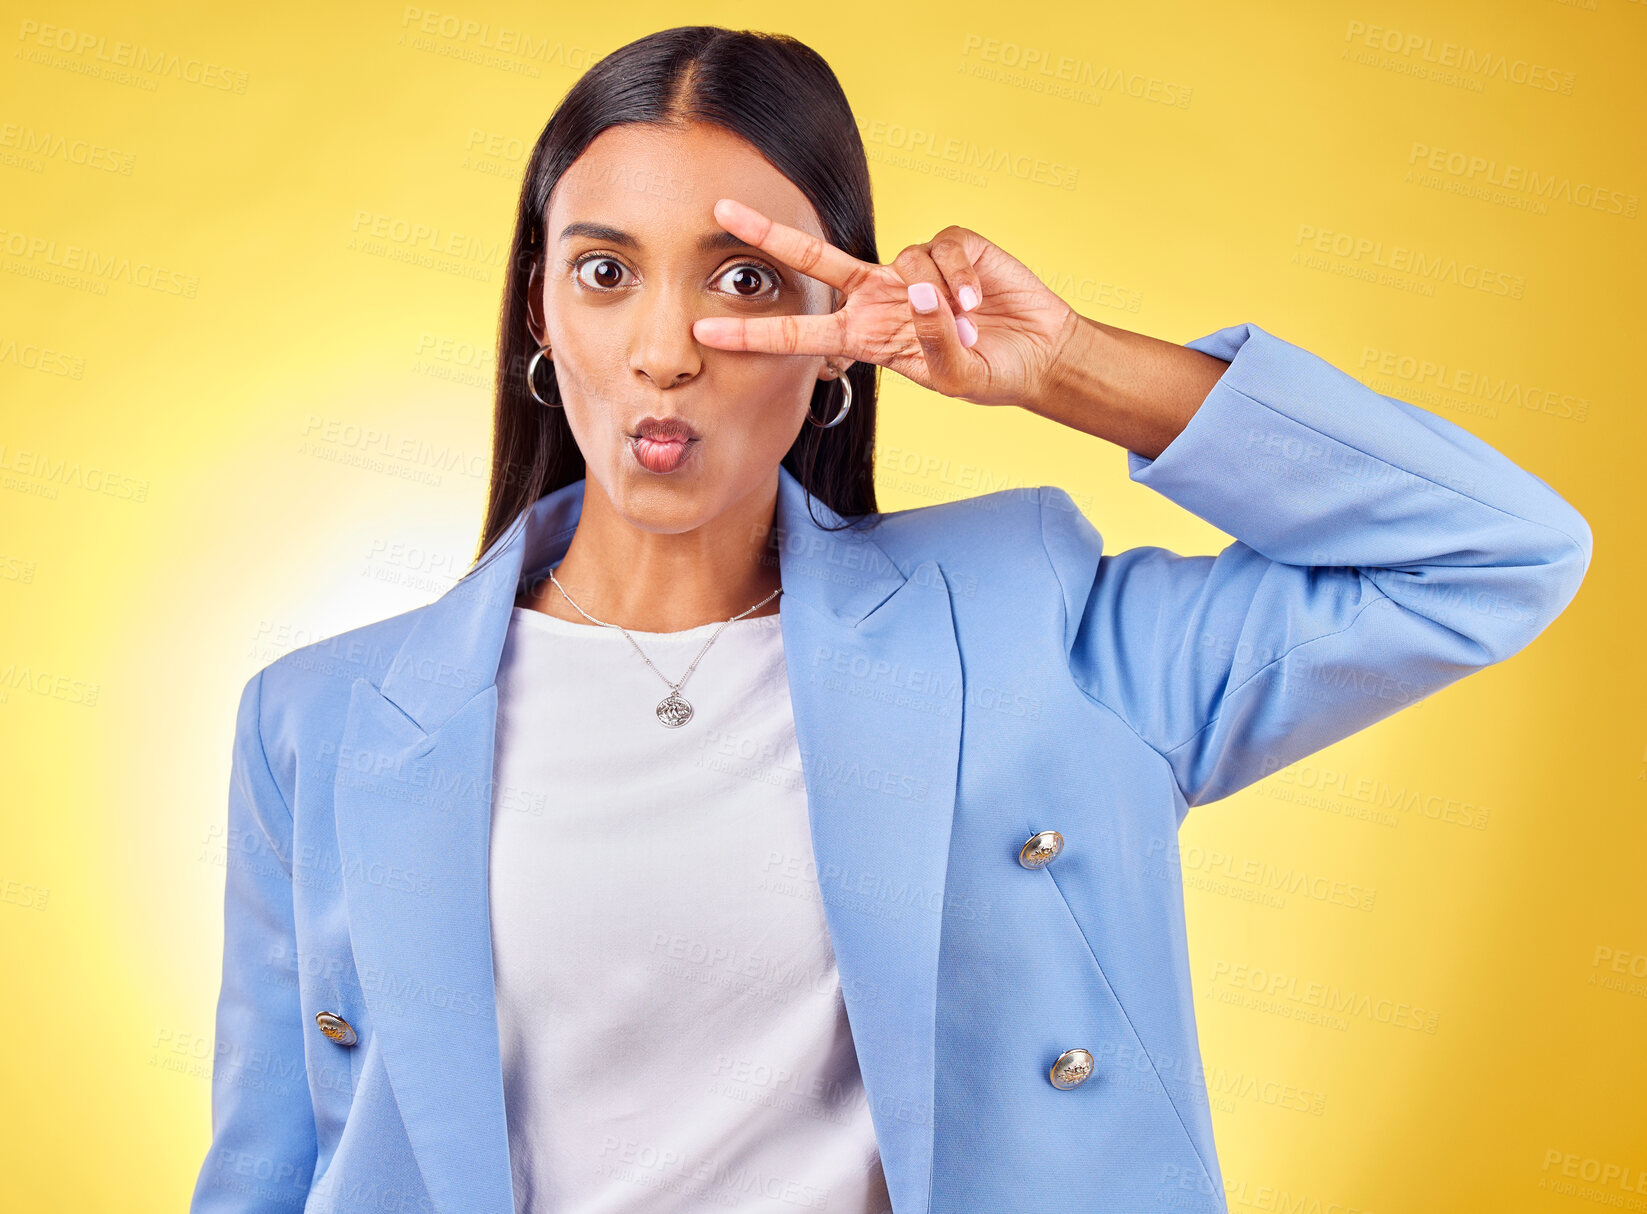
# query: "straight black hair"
780,95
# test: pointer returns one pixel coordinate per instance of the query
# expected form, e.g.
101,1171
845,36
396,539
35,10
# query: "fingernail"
969,299
967,330
923,296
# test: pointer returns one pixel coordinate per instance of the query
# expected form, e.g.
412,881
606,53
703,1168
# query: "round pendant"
674,711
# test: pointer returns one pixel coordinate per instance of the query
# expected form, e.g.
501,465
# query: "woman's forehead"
659,184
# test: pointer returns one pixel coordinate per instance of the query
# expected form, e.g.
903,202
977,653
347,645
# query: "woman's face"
634,257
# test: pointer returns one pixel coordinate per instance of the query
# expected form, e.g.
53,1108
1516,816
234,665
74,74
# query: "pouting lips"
658,456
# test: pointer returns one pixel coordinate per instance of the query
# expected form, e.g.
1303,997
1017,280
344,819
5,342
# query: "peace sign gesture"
957,314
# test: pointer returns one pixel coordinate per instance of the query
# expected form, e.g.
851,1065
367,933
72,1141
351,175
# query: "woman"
697,851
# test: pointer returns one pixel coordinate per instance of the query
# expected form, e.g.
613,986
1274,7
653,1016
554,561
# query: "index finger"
803,333
800,250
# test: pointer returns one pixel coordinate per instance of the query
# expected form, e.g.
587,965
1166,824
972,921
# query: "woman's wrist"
1134,390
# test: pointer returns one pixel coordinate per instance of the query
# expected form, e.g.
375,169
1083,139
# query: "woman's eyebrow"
710,243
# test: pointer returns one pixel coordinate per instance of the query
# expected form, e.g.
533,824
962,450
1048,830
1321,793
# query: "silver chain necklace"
673,710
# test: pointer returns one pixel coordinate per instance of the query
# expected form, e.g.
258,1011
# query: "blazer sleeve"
263,1151
1381,552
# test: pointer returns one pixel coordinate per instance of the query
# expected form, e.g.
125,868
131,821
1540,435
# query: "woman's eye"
744,281
599,273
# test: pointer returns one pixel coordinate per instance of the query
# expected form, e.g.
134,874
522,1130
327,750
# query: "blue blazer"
963,675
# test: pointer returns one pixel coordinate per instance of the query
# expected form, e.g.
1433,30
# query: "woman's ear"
534,307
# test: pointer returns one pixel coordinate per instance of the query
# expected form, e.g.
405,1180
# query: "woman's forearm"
1133,390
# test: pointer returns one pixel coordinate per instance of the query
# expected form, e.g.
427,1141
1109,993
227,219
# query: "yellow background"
205,465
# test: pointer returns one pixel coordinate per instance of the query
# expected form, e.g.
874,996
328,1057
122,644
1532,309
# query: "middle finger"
800,250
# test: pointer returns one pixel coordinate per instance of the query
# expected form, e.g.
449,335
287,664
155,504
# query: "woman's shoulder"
320,675
970,532
296,704
993,550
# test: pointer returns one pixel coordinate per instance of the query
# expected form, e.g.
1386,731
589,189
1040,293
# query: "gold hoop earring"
846,405
531,368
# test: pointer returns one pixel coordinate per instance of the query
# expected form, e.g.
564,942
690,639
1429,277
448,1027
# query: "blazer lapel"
876,688
875,684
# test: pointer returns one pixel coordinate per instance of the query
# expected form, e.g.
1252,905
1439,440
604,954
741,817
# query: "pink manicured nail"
969,299
967,330
923,296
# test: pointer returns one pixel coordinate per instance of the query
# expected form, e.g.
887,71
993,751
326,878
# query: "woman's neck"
657,581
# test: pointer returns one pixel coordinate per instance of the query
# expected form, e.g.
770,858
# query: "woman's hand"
991,331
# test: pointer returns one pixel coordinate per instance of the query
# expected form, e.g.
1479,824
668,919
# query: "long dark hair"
780,95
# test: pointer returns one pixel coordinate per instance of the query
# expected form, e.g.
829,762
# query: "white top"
670,1015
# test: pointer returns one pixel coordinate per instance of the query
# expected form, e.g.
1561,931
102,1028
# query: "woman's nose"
661,345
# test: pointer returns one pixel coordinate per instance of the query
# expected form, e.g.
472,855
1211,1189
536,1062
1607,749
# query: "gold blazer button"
1041,849
1072,1069
335,1027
